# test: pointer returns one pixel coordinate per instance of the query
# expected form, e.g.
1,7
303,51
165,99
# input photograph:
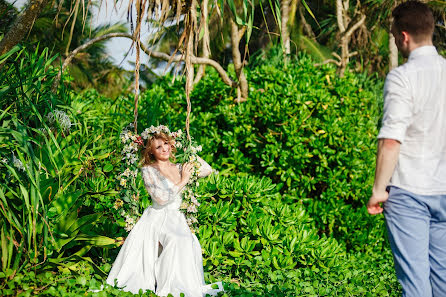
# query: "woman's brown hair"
147,156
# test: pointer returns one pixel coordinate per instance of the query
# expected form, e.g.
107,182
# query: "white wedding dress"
161,253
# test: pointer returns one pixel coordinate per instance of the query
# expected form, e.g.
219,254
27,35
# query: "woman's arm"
205,168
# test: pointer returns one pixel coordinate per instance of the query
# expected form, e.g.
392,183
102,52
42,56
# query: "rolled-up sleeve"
398,107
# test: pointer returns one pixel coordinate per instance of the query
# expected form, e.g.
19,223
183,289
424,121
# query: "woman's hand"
186,173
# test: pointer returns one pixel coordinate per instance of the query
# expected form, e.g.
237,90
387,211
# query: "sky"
116,47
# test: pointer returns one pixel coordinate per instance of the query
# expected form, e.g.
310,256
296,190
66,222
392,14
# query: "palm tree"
8,14
92,68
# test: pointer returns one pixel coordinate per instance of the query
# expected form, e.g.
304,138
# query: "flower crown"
152,130
155,130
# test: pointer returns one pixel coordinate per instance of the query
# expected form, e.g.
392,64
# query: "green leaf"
107,168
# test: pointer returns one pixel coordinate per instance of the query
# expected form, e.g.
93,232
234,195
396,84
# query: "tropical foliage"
287,115
284,216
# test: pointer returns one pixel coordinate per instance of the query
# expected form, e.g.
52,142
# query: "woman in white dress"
161,253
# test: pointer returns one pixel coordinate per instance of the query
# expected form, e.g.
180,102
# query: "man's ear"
406,36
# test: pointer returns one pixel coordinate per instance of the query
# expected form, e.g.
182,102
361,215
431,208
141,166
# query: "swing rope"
140,7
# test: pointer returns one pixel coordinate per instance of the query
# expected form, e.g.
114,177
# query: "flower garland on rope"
128,200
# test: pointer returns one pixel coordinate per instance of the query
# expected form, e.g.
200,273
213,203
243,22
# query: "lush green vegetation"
284,217
294,143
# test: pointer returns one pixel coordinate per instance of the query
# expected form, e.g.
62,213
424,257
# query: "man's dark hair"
415,18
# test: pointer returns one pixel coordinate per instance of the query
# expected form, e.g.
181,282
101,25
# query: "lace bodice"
163,191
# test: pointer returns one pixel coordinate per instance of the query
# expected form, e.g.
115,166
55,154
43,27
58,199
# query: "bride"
161,253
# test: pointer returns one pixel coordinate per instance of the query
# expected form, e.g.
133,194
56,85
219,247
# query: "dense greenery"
304,127
284,217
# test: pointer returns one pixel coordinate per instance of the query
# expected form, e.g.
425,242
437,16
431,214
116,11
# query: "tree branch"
337,63
352,28
241,32
339,15
159,55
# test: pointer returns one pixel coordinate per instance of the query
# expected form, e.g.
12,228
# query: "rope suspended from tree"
140,9
189,24
189,41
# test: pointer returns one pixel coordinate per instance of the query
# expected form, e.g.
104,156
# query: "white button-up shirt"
415,115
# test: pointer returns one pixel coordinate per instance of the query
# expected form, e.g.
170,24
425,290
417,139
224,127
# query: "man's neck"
413,46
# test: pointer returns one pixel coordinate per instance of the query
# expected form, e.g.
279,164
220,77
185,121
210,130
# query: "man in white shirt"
410,176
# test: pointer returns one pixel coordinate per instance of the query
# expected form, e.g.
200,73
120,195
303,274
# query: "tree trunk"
347,27
285,13
393,50
393,53
236,36
22,25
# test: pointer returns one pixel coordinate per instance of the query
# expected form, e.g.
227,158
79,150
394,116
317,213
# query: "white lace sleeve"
160,189
205,168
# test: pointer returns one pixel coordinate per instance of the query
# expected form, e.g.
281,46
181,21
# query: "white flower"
145,134
191,220
61,117
128,227
199,148
4,160
134,145
133,159
130,223
194,200
17,163
127,172
125,149
192,208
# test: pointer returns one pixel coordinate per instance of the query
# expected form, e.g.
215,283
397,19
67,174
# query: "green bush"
250,236
304,127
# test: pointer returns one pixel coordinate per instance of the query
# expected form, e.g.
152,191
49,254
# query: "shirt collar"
427,50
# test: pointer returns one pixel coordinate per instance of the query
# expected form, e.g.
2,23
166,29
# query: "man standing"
410,172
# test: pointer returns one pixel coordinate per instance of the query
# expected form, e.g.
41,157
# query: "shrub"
302,126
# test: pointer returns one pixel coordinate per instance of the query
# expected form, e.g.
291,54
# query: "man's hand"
386,160
374,204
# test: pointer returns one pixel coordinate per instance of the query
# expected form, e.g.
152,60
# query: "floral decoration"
128,198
